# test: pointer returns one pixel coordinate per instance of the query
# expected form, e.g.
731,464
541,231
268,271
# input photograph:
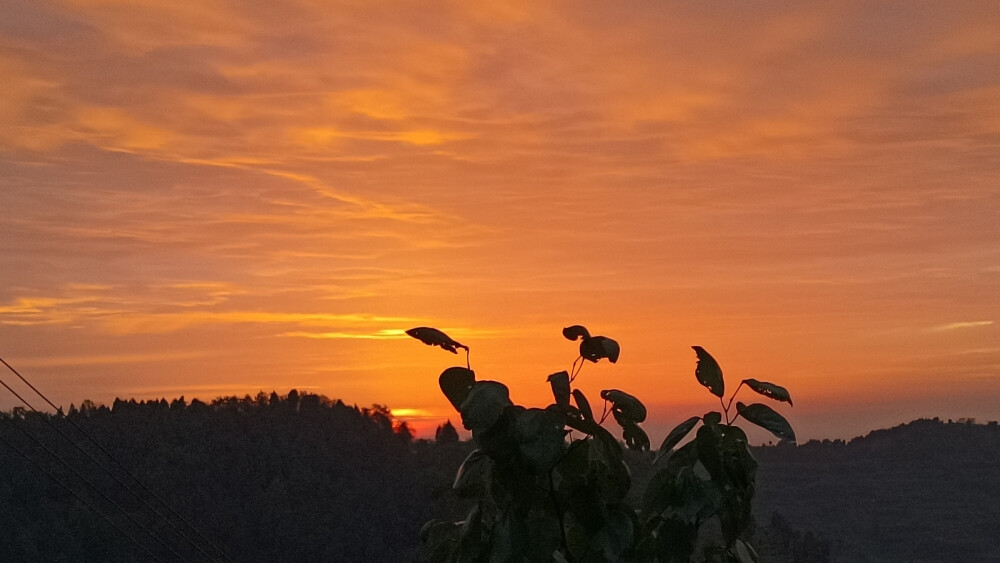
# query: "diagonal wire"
77,473
94,488
129,473
85,502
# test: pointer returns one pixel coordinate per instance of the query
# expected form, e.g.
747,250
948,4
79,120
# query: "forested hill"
290,478
300,477
923,491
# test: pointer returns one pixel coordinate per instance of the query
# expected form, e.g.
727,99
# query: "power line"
92,486
85,502
123,468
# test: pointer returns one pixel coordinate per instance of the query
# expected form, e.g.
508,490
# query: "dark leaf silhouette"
597,347
625,405
707,443
470,543
575,419
560,387
676,435
434,337
767,418
580,417
484,405
473,476
713,417
540,437
456,382
770,390
635,437
708,372
744,553
576,332
583,404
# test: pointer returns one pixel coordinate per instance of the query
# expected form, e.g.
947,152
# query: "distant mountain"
920,492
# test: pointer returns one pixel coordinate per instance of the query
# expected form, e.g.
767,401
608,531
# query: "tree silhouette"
446,433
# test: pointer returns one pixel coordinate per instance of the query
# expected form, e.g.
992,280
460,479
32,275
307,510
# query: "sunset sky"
208,198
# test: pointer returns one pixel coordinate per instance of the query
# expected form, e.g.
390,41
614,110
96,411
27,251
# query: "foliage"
543,494
294,477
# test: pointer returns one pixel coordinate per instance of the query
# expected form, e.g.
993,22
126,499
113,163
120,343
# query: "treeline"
300,477
297,477
920,492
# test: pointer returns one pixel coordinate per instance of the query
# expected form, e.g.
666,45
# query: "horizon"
209,200
423,426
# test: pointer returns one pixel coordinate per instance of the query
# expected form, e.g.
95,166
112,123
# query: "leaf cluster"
541,493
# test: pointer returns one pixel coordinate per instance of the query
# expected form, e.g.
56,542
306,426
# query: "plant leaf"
540,437
578,418
768,419
676,435
769,390
635,437
434,337
560,387
573,418
473,475
484,405
706,443
736,449
713,417
743,552
610,474
597,347
499,440
583,404
662,491
709,373
576,332
625,405
470,543
456,382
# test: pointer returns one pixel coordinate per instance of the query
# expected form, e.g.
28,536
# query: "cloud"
107,359
170,322
960,325
317,169
383,334
188,304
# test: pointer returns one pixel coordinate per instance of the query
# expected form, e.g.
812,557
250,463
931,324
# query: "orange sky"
207,198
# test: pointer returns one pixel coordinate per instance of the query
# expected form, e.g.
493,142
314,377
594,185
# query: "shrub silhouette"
542,494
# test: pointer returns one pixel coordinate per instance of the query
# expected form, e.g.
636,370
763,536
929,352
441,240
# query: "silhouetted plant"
543,495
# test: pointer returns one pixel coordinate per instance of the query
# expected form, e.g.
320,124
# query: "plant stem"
574,370
726,407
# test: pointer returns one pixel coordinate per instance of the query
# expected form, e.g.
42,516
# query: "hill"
920,492
273,478
302,477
